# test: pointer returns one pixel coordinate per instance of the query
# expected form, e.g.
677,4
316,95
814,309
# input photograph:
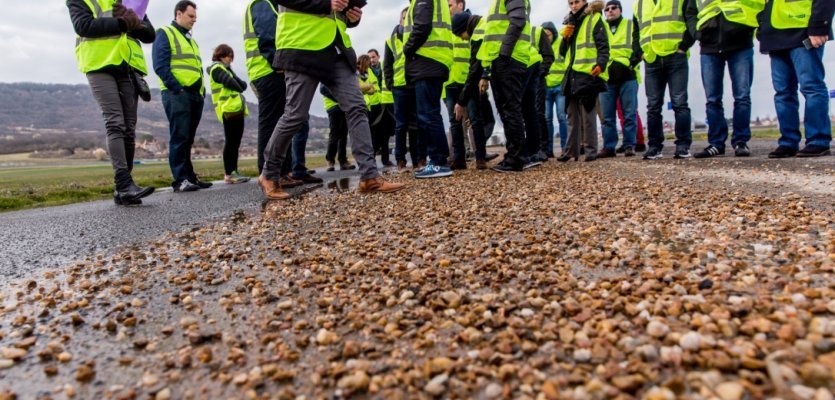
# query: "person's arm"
637,51
86,25
226,79
564,46
162,62
547,52
421,27
688,39
145,35
307,6
388,67
263,23
518,19
325,92
476,72
691,18
820,23
601,41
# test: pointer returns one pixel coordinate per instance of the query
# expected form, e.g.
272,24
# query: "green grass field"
51,185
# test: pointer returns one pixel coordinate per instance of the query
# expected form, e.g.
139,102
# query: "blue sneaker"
433,171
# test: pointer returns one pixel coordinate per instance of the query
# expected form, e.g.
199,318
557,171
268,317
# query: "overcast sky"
37,40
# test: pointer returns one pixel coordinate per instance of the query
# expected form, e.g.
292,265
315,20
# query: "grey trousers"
581,123
117,99
344,85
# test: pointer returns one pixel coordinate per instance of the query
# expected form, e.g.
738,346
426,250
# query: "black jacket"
772,39
546,51
417,66
86,25
518,14
476,72
583,84
316,63
229,81
718,35
619,73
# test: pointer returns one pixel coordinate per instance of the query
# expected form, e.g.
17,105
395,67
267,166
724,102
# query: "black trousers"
508,87
531,110
233,130
381,118
272,97
487,117
338,137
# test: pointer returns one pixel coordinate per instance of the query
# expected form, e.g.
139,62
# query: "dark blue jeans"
531,108
555,101
804,67
627,92
184,111
741,68
405,122
456,128
430,121
672,71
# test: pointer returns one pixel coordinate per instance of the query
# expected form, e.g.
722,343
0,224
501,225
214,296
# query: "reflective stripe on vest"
478,32
256,65
438,45
586,57
94,54
557,71
742,12
395,45
461,61
186,65
302,31
494,33
662,27
791,14
536,36
225,100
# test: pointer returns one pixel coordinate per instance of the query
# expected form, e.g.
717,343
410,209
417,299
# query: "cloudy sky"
37,40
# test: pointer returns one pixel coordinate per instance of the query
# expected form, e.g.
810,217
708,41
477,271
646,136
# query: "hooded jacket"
582,84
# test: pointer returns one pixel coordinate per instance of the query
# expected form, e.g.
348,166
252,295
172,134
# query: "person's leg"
330,155
530,112
540,112
508,86
342,138
550,103
640,137
130,106
786,102
300,91
105,89
656,85
299,147
344,85
430,121
678,72
608,106
228,134
562,118
487,116
456,128
386,132
810,73
741,69
272,93
575,126
401,124
477,122
713,79
629,103
589,111
177,109
195,115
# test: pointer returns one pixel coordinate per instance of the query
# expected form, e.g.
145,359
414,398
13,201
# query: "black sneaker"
628,151
782,152
202,184
653,153
710,151
125,202
682,153
491,156
503,167
640,148
620,150
186,186
742,150
813,151
606,153
533,162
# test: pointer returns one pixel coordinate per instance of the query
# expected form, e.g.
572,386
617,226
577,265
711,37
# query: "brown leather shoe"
480,164
272,189
287,182
379,184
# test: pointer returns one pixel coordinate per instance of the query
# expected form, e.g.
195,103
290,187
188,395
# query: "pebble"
690,341
657,329
582,355
493,390
6,363
357,381
437,385
730,391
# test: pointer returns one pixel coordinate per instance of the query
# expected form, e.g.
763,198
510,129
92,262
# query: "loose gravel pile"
567,281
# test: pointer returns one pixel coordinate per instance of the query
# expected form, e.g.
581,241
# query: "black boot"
132,193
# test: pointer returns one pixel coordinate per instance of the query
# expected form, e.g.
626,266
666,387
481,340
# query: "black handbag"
142,88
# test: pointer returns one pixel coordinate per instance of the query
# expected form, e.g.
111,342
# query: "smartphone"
808,44
357,3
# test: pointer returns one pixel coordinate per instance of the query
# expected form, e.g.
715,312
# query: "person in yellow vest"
338,135
554,100
405,113
370,88
313,46
505,51
453,86
793,34
109,54
585,47
382,127
625,51
427,47
725,31
533,100
230,107
468,103
178,65
666,42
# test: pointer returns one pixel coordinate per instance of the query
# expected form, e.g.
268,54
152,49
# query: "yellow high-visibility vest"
94,54
256,65
494,32
662,26
226,101
438,45
186,65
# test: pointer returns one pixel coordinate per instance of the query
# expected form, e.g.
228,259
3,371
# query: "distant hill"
44,117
